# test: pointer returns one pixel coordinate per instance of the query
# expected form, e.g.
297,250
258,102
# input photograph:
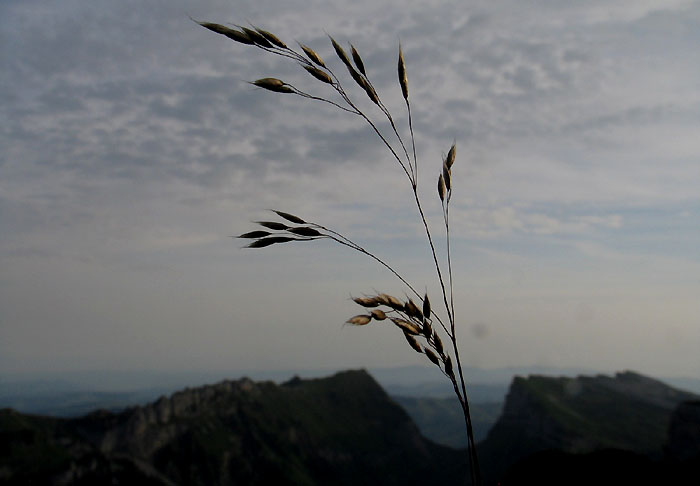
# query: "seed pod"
257,38
403,80
367,301
318,74
441,188
305,231
289,217
358,60
273,225
360,320
263,242
426,307
451,156
272,38
312,55
378,315
412,342
432,356
255,234
273,84
406,326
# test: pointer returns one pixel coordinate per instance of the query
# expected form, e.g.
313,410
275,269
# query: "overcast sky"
131,148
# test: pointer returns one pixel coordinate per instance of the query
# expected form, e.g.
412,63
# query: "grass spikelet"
358,60
312,55
390,301
378,315
232,34
448,367
318,74
450,159
273,225
367,301
441,187
273,84
447,176
341,53
305,231
271,38
426,307
432,356
256,37
403,79
412,310
406,326
289,217
427,330
413,342
361,320
438,344
263,242
255,234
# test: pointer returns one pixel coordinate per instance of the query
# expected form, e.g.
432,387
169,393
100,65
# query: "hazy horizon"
133,148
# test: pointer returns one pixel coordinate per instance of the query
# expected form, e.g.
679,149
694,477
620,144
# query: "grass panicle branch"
415,319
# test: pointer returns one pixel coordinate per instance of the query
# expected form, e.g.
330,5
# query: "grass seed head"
263,242
273,84
272,38
412,310
255,234
358,60
438,344
360,320
378,314
312,55
289,217
448,367
403,79
413,342
305,231
432,356
232,34
406,326
257,38
367,301
273,225
390,301
447,176
318,74
340,52
451,156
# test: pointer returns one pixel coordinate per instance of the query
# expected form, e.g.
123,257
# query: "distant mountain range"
345,429
342,430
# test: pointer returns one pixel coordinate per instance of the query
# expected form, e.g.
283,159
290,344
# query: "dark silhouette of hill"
588,430
338,430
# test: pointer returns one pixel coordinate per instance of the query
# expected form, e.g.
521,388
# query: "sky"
133,147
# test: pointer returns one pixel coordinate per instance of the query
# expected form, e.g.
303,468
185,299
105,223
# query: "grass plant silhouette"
417,320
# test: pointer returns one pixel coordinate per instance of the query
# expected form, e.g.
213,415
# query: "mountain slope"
627,412
338,430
